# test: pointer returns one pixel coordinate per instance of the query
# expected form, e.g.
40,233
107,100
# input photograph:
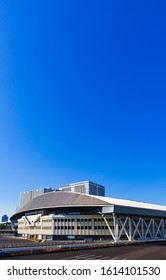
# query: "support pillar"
130,229
116,228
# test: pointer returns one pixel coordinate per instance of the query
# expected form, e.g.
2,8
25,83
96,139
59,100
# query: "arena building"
69,215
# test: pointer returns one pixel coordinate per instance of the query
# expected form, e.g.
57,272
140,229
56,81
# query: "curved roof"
60,199
70,199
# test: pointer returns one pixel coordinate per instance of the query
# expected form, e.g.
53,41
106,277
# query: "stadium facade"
69,215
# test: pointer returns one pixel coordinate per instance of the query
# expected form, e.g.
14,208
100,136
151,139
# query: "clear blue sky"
83,96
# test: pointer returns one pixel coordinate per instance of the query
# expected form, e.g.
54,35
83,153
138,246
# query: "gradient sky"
83,97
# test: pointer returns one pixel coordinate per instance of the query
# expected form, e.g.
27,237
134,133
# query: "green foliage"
2,226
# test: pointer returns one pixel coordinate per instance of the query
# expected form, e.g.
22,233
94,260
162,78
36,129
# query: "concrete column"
142,229
162,229
153,228
116,227
130,229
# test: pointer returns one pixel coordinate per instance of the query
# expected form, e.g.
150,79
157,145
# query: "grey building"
28,195
86,187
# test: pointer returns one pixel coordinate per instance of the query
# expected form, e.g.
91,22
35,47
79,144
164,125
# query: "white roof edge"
126,202
131,203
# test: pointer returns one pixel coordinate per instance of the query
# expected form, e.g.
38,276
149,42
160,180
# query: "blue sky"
83,96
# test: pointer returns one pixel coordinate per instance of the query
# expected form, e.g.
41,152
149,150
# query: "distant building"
86,187
4,219
28,195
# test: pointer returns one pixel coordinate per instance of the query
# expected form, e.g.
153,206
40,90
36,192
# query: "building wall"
59,225
116,228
